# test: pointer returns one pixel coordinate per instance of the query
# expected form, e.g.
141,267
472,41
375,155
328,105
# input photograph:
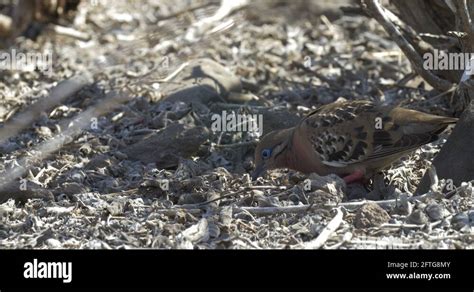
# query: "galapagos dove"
353,139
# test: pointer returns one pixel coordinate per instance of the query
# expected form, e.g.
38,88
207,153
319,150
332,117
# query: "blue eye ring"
266,153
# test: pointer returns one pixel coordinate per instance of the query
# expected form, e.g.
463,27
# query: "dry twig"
332,226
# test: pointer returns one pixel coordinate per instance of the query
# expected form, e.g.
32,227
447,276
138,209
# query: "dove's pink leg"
357,175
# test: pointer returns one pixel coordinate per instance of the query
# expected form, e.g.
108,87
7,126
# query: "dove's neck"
296,155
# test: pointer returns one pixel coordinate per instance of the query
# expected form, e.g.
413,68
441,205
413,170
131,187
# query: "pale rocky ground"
98,191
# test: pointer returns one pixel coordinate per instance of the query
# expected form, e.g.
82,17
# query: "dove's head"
271,151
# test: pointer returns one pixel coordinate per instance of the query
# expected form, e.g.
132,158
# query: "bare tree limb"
377,11
463,11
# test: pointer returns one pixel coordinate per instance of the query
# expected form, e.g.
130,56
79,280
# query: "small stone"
161,120
85,149
264,201
460,220
71,188
404,206
466,190
436,211
274,225
418,217
53,243
356,191
347,236
100,161
331,184
320,197
191,198
370,215
445,224
120,155
470,214
374,196
298,195
225,216
44,132
8,147
258,193
116,208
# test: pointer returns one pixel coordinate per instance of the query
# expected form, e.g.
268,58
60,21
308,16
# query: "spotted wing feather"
346,133
338,132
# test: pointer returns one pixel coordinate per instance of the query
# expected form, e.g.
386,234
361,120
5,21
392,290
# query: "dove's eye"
266,153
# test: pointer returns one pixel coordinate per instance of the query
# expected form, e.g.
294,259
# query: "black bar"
253,269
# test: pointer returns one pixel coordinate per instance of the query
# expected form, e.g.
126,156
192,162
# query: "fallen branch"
233,194
388,203
9,187
70,32
403,225
236,145
264,211
56,97
382,203
462,10
260,211
392,245
174,211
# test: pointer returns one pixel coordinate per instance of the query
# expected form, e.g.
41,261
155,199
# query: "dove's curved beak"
259,170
